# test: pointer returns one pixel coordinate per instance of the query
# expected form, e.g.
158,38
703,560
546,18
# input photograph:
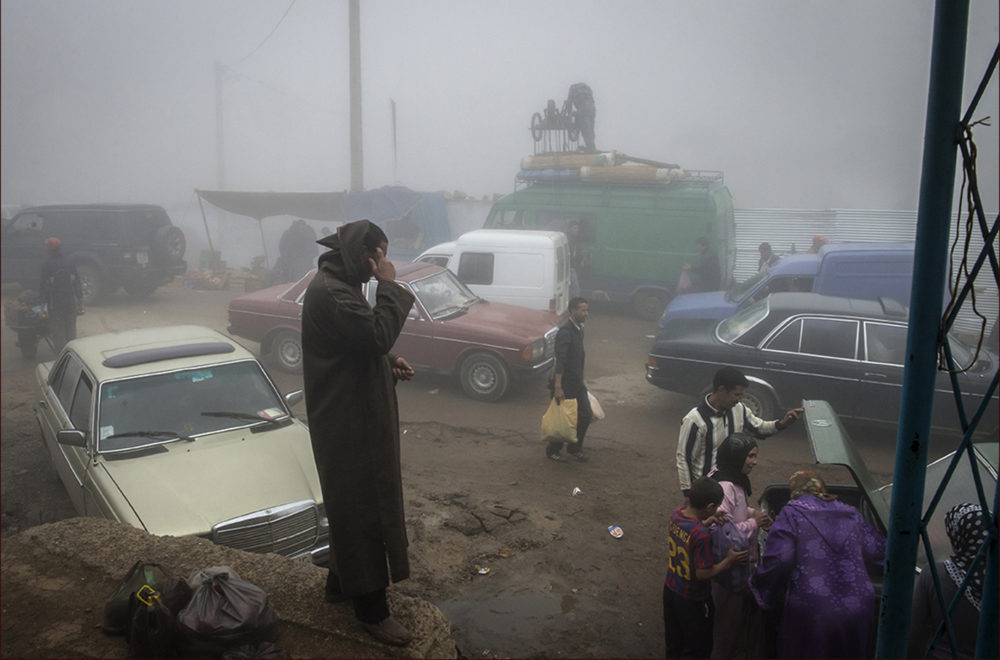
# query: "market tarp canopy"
379,205
385,205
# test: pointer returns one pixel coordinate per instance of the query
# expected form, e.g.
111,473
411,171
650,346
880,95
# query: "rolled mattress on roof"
631,173
566,161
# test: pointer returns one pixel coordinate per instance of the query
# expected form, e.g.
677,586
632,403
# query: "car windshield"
737,292
442,294
737,324
159,408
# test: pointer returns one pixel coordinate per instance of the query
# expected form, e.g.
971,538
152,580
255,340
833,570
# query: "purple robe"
814,570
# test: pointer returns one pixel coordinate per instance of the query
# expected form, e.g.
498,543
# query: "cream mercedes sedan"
179,431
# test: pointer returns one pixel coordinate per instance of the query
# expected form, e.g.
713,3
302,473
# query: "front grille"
550,342
288,530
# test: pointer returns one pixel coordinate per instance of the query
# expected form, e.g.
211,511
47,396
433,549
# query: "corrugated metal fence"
793,229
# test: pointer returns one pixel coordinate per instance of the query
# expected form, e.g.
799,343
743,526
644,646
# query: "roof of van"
503,237
865,247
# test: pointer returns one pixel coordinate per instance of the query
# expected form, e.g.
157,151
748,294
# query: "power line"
273,30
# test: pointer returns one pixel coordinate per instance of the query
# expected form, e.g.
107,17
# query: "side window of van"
787,283
28,224
476,268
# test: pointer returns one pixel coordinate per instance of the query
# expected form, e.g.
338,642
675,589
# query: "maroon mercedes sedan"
450,330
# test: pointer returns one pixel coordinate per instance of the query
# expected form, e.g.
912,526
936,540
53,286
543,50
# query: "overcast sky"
803,104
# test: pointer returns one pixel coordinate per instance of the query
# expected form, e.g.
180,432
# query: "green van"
634,238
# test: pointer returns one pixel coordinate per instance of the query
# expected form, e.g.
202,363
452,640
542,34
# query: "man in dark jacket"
61,290
350,379
567,383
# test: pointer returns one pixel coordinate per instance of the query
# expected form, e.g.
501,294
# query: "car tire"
484,377
169,243
760,402
649,305
92,283
286,349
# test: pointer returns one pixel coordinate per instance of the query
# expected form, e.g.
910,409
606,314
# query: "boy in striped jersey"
688,612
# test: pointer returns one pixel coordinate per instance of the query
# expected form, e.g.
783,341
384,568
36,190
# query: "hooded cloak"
353,414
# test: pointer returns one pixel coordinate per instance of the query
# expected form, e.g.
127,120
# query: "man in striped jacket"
719,415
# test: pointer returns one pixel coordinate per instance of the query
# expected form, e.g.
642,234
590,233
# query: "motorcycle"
28,317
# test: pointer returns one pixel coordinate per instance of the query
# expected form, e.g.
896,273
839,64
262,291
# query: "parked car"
180,431
450,330
790,345
858,270
113,245
831,445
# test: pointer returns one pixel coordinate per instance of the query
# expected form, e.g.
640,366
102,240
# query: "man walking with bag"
567,383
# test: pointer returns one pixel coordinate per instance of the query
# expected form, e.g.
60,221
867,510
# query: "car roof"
147,350
817,303
865,246
504,237
411,270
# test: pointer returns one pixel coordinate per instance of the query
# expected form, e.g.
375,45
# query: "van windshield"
738,292
442,294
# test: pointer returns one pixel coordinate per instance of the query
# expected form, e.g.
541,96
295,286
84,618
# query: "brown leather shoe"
389,631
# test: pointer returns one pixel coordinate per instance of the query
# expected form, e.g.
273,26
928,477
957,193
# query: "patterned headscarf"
966,527
805,482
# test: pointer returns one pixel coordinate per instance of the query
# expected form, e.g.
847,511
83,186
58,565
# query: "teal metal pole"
937,181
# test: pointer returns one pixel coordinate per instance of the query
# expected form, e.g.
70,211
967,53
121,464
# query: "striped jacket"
702,431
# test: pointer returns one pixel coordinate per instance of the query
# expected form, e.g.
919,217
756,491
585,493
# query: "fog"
808,104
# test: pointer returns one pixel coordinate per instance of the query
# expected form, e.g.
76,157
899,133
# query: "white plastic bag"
595,407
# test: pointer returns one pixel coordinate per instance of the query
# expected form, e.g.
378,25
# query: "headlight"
534,351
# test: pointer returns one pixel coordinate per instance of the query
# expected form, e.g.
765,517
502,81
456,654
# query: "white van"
518,267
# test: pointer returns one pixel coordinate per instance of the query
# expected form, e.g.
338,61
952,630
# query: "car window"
830,337
67,383
27,224
174,402
885,343
737,292
789,339
476,268
737,324
79,412
442,294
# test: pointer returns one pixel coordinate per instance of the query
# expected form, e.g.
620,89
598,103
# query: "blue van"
855,270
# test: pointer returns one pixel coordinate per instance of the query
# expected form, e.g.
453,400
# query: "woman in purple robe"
814,571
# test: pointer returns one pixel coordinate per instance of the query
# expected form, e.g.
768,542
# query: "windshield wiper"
166,435
449,311
264,423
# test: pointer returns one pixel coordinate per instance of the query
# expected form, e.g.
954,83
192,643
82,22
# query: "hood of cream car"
192,486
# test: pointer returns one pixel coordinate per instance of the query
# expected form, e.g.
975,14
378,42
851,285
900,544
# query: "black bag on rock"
224,612
117,609
151,631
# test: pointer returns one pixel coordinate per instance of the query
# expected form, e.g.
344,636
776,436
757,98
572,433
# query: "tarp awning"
379,205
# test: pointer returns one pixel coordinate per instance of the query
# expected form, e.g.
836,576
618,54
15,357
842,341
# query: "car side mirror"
72,437
294,397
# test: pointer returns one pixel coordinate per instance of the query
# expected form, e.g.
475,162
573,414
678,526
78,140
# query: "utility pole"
220,151
357,157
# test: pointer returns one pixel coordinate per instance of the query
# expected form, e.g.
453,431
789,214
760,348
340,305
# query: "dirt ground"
479,491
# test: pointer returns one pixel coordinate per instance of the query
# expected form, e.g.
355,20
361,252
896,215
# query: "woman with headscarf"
966,527
814,569
734,608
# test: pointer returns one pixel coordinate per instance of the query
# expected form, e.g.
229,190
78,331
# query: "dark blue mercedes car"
794,346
